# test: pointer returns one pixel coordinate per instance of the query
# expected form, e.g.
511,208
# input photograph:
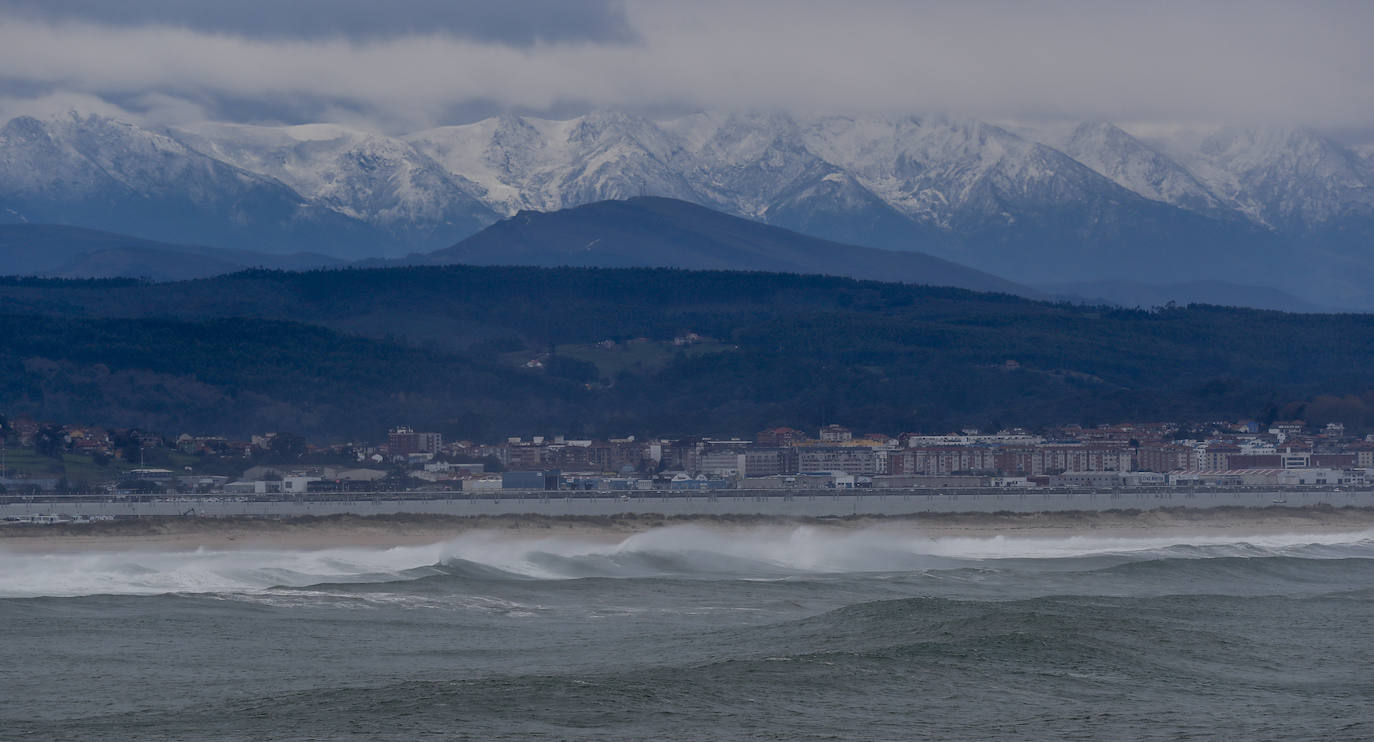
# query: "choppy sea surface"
691,634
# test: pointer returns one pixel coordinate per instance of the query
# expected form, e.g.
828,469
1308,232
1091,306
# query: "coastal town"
50,458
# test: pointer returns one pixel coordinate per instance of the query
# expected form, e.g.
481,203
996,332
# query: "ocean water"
687,633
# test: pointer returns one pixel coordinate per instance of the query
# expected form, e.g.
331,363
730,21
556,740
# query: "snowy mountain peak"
87,154
1283,178
24,129
1134,165
1089,199
363,175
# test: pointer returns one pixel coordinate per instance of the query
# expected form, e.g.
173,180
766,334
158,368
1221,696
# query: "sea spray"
689,551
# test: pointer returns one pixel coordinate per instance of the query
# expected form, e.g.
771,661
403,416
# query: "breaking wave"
688,551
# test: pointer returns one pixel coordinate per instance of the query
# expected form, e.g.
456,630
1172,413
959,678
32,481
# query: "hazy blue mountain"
74,252
145,263
1147,296
662,232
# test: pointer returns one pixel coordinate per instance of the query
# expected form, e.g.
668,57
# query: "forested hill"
488,352
665,232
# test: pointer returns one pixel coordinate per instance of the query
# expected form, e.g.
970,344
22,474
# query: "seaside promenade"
809,503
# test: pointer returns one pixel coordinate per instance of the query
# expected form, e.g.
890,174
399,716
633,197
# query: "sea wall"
812,504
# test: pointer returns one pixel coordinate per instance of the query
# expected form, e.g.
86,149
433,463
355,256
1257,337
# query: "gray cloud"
520,22
1220,62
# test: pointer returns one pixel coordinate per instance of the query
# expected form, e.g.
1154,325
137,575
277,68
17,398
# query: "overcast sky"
408,64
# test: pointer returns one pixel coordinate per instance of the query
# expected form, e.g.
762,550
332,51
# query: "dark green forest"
345,353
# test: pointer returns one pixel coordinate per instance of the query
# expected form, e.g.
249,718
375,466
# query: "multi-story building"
405,441
1364,455
943,460
1291,459
1285,430
522,457
578,456
858,461
1054,459
684,454
1013,438
748,462
1217,457
722,463
835,434
626,452
767,462
1164,457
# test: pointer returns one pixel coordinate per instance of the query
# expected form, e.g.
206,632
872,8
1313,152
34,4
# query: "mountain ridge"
661,232
76,252
646,232
1286,208
105,174
1217,293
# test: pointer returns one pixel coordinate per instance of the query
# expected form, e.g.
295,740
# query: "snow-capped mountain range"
1287,208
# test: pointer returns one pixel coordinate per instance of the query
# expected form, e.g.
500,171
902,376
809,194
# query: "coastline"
394,530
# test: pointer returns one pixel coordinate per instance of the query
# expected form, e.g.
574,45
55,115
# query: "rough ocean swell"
692,633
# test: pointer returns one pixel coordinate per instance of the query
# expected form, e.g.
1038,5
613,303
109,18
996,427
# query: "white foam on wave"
201,571
813,549
1310,545
694,550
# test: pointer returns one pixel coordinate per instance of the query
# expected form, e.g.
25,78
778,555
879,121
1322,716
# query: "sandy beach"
384,531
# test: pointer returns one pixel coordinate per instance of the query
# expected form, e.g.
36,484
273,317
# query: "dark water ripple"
1177,643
